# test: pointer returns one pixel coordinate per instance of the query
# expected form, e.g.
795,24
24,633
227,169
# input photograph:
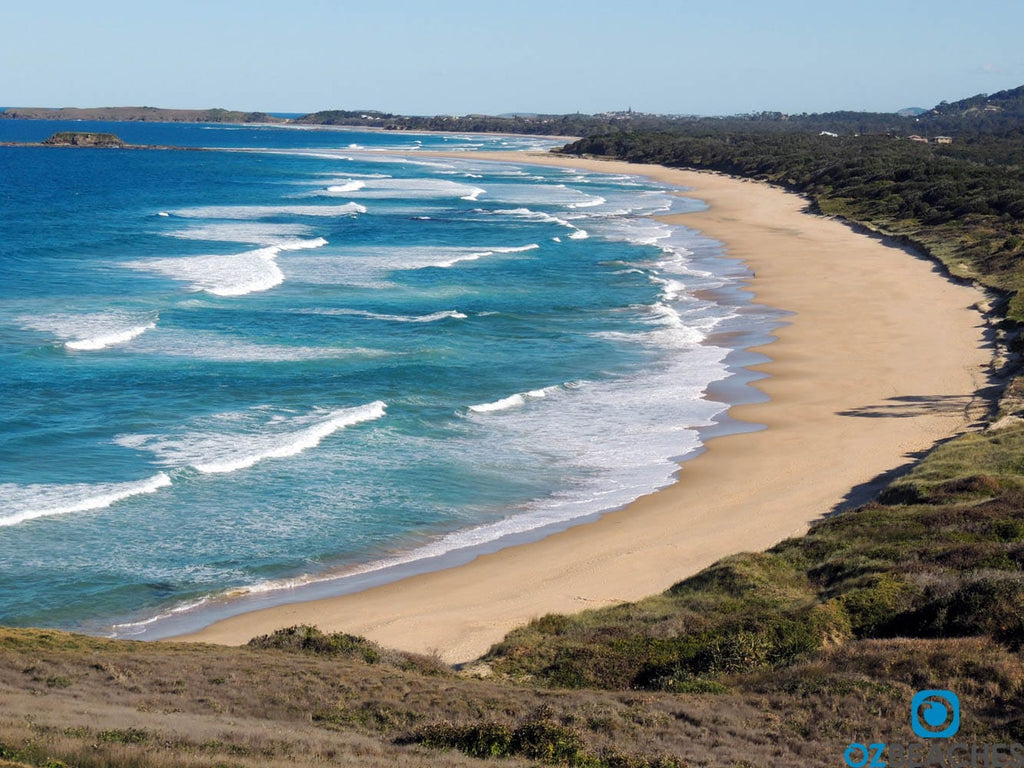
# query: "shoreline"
871,326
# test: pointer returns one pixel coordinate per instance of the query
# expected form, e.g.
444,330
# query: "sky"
712,57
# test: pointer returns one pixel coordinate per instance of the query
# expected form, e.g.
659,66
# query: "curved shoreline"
880,360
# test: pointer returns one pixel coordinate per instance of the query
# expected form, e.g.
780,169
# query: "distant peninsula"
139,114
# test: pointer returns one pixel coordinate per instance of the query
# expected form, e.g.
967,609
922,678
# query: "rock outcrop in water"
83,139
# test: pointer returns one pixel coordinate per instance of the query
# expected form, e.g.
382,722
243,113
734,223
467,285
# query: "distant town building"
915,137
943,139
829,133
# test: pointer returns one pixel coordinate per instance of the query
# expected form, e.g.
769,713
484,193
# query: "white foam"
217,347
109,340
371,268
639,231
257,233
543,194
516,400
499,405
228,275
89,332
349,176
431,318
575,232
228,442
474,255
597,200
420,188
671,330
350,186
265,211
19,503
133,628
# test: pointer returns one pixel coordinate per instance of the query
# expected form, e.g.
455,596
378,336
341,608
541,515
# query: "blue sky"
454,57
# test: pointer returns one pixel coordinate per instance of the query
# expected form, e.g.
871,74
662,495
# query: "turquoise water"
314,353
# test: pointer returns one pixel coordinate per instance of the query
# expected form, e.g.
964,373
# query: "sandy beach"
880,360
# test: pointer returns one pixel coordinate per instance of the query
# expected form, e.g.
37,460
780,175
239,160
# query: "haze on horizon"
458,57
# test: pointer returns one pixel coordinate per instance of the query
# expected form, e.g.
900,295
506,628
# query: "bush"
766,640
534,739
309,639
124,736
871,608
991,604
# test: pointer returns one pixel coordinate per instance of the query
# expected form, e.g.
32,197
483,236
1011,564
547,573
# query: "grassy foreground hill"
776,658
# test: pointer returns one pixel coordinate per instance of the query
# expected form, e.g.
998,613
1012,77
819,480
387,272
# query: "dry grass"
133,704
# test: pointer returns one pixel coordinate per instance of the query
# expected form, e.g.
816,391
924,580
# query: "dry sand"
880,360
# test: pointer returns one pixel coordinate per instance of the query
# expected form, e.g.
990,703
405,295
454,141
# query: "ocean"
310,360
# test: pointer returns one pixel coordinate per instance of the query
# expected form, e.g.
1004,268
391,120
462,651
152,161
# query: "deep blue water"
312,352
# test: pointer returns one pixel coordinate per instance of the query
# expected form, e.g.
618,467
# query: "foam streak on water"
433,317
19,503
90,332
228,442
265,211
229,275
512,401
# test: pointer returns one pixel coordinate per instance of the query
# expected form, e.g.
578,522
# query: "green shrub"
309,639
765,640
871,608
124,736
536,740
987,605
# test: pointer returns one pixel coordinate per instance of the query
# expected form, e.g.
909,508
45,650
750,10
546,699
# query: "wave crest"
28,502
228,275
433,317
518,399
90,332
228,442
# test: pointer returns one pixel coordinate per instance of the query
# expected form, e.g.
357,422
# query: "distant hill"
139,114
1010,101
996,113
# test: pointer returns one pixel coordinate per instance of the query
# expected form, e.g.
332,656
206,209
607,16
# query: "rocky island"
91,140
84,139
